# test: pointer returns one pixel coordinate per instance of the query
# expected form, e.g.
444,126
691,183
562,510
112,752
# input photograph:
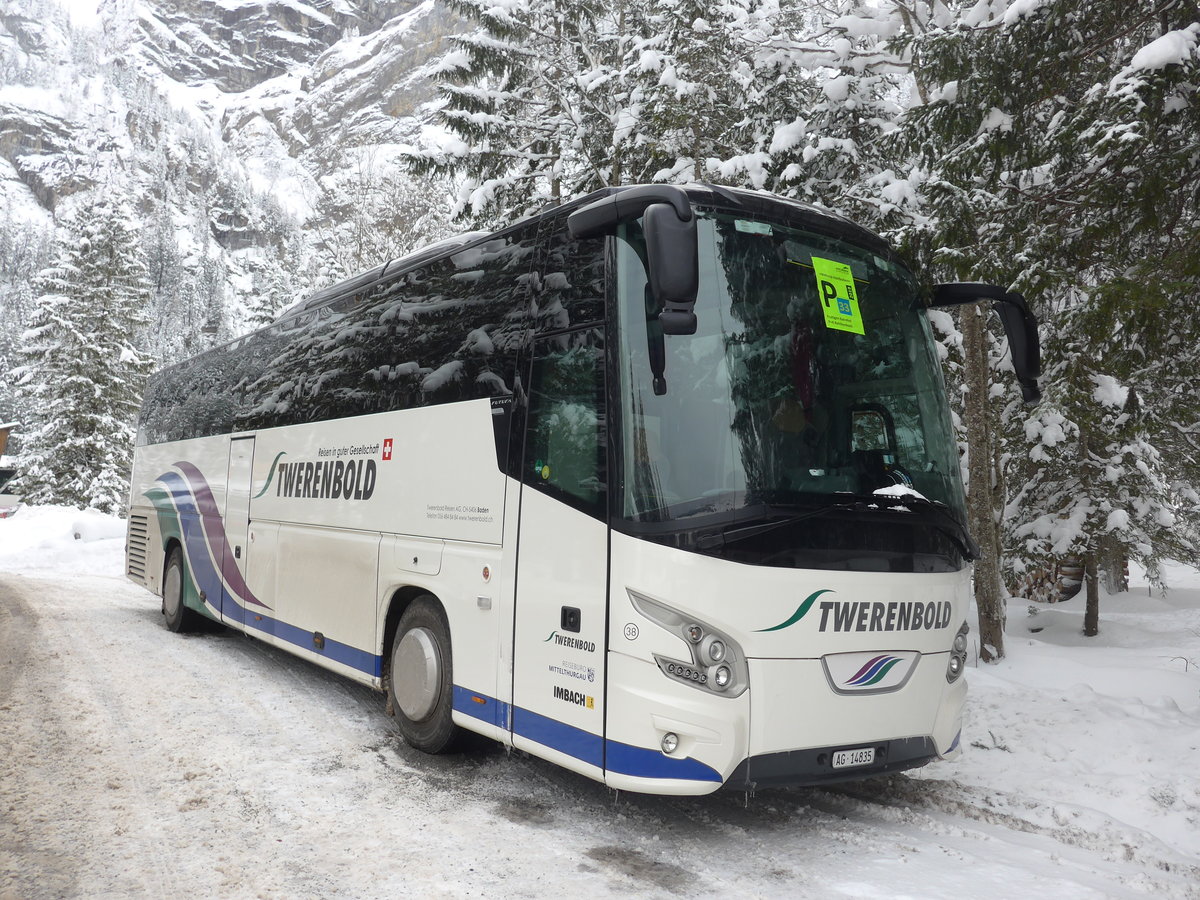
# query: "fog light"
958,654
722,677
716,651
670,742
695,633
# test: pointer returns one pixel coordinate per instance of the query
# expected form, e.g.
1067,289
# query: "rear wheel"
179,617
420,684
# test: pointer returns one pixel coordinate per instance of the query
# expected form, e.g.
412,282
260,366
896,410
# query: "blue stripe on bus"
360,660
481,706
954,743
623,759
560,736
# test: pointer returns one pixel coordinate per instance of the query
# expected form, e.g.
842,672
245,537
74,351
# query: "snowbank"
1106,729
41,538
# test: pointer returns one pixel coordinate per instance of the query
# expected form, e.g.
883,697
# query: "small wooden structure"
8,501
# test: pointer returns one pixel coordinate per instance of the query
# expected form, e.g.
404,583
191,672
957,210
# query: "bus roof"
732,199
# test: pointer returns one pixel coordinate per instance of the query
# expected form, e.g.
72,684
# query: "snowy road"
134,762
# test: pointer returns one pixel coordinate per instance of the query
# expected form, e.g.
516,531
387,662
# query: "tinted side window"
438,334
570,284
565,450
204,396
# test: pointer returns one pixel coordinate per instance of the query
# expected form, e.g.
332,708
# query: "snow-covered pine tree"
1060,142
370,211
528,99
81,371
688,76
1110,494
24,251
825,93
550,99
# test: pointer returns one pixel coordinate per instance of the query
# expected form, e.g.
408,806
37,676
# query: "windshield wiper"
960,535
711,540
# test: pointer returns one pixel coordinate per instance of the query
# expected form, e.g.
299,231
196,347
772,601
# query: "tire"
420,683
178,616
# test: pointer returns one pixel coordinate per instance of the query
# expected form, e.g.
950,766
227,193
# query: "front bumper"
797,768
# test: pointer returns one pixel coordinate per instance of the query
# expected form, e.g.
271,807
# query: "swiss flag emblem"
387,449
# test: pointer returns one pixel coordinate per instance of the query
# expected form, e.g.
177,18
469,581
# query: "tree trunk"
1114,563
1091,615
989,595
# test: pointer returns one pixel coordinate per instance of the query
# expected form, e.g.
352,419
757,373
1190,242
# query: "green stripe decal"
270,474
800,612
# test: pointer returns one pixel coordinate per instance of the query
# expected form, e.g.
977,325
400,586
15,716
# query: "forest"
1051,147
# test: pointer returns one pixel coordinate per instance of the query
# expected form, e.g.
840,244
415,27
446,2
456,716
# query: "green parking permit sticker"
839,301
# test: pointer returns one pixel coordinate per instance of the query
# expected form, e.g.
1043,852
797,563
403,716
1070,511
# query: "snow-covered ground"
134,762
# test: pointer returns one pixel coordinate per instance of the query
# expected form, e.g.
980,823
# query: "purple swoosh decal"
214,529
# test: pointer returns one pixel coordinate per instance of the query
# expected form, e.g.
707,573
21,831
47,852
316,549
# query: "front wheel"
420,684
179,617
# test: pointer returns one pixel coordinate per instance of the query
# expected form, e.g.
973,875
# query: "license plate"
844,759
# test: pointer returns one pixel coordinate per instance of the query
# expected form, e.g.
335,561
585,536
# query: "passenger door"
234,566
562,557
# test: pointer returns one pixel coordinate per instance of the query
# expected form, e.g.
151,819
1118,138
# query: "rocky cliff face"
227,122
364,90
32,135
282,84
238,44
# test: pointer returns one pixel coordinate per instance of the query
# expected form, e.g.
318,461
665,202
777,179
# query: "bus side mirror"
671,252
673,268
1019,325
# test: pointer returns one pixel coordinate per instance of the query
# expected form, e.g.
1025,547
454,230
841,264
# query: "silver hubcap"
173,590
417,673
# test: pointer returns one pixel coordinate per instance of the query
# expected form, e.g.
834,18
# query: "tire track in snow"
75,729
260,774
951,808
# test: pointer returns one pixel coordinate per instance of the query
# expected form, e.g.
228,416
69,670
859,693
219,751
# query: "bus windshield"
797,399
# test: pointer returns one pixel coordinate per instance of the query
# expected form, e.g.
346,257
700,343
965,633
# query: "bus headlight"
715,651
717,663
957,664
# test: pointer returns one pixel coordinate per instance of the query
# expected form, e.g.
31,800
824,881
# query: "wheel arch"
401,599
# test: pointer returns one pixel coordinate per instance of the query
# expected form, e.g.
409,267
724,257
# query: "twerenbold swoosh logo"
800,612
271,474
204,535
873,672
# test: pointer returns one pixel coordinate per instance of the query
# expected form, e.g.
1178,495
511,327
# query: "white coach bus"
659,485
